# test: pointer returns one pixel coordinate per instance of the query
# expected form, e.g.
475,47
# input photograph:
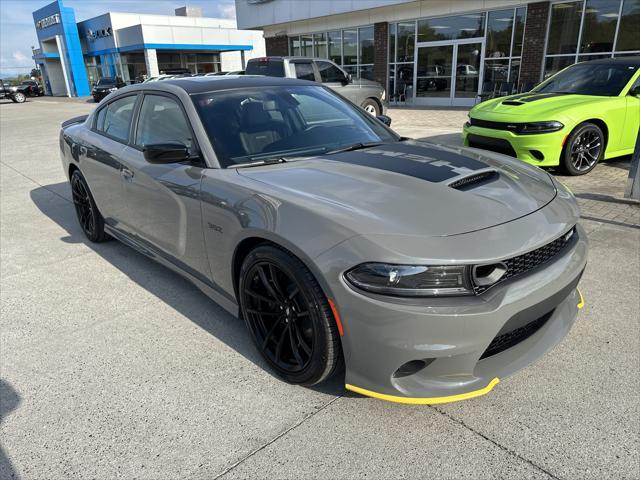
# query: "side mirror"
164,153
385,119
347,79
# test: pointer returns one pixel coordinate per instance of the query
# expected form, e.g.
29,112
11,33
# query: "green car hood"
534,106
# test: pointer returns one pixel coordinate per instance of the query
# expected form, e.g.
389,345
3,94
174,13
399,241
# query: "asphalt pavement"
113,367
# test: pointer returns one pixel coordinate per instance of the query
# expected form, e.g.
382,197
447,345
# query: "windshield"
107,81
251,124
590,79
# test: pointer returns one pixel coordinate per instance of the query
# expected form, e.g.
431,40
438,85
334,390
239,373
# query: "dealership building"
444,52
72,56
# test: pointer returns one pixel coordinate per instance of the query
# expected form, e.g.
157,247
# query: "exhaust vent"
470,181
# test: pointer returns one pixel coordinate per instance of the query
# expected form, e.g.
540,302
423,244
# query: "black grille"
499,145
509,339
530,260
511,127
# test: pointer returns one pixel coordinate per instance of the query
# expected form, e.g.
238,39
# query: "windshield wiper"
355,146
258,163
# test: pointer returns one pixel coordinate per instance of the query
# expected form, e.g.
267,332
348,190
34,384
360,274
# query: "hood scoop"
474,180
512,102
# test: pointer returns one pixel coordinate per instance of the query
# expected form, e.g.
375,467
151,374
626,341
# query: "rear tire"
89,217
371,107
583,150
288,316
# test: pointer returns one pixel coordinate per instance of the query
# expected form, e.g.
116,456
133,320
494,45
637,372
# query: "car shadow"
166,285
9,401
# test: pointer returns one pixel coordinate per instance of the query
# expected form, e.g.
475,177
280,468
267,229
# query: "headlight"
113,89
538,127
411,280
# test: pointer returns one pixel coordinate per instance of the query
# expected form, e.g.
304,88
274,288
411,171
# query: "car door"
632,118
333,77
163,200
100,156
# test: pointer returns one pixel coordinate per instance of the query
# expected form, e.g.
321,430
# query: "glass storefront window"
350,47
406,42
365,71
564,27
599,26
335,46
518,34
306,46
392,42
320,45
365,45
451,28
555,64
514,72
628,32
403,82
499,31
294,46
586,58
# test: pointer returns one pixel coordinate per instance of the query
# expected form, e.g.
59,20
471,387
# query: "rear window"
269,68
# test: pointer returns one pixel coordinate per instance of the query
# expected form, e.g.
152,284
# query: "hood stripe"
430,164
531,97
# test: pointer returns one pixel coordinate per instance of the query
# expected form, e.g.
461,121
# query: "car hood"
410,188
533,104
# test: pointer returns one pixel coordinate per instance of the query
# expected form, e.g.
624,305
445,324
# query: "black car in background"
11,93
105,86
31,88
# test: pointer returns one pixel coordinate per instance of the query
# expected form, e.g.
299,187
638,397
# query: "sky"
18,34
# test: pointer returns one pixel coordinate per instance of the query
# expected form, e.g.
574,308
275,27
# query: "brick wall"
277,46
533,46
381,49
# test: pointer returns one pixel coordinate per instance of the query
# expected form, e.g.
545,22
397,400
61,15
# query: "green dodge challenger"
585,113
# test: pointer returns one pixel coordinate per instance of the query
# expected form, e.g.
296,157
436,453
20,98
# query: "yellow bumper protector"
581,303
425,401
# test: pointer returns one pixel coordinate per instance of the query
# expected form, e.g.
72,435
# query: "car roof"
617,61
212,83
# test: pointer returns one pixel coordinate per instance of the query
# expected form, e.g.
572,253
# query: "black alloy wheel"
288,316
584,149
91,221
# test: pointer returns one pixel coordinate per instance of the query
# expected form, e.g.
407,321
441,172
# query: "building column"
535,32
151,59
277,46
381,53
63,63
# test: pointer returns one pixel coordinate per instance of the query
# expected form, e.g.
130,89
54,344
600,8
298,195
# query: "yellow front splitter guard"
581,303
425,401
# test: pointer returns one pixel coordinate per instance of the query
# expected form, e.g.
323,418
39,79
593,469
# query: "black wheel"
288,316
583,150
371,107
19,97
89,217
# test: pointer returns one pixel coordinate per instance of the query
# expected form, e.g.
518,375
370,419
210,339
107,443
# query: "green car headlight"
411,280
538,127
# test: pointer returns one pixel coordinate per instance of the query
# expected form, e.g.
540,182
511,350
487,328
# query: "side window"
161,120
115,119
304,71
329,72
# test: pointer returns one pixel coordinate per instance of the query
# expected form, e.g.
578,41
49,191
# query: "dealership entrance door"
448,73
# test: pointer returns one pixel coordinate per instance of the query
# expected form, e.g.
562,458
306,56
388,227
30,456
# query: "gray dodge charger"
423,273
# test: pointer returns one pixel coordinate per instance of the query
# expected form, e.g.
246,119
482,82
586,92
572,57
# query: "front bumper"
542,150
451,335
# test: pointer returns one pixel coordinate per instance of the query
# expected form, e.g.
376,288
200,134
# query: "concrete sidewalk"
113,367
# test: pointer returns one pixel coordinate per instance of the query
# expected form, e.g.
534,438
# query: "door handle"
126,174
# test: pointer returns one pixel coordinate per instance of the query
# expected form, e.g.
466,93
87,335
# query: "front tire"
19,97
583,150
89,217
288,316
371,107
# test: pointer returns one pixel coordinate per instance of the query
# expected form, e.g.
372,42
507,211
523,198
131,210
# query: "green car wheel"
583,149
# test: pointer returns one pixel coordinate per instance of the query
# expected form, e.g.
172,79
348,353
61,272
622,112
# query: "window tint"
304,71
586,79
114,120
162,121
329,72
270,68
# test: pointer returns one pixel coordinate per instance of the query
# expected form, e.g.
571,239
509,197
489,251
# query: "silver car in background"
368,94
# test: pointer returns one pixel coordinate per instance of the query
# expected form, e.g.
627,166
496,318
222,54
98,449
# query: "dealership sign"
48,21
99,33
